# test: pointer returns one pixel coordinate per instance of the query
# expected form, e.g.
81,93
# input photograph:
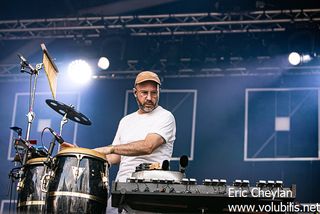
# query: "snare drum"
80,183
31,199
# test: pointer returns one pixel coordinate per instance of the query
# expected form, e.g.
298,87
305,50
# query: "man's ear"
134,92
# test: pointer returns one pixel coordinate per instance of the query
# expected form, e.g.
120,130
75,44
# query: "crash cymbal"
72,114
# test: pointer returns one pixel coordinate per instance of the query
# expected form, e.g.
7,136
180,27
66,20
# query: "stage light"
103,63
294,58
80,71
305,58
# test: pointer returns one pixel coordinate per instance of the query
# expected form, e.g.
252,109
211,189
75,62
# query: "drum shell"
31,199
85,193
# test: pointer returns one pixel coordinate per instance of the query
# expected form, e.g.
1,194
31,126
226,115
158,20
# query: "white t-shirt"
137,126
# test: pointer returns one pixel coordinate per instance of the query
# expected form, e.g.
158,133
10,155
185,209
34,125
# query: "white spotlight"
103,63
80,71
294,58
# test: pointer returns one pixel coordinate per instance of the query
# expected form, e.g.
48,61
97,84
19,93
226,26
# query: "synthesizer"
186,196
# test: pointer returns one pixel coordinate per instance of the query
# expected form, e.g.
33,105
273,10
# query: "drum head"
36,161
84,151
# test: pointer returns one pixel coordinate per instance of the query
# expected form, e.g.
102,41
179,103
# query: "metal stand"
31,115
13,176
64,121
48,174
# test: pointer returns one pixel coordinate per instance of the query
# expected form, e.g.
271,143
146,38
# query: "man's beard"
147,109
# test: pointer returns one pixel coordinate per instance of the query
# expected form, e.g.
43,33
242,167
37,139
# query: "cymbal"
72,114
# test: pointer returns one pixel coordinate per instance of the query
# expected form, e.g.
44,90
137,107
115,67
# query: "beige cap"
147,76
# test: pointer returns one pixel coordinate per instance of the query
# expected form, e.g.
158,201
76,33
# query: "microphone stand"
13,175
48,172
31,115
52,145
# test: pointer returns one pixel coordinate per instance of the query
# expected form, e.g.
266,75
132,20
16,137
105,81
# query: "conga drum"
80,183
30,198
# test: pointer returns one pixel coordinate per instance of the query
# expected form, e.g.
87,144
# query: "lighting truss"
184,69
157,25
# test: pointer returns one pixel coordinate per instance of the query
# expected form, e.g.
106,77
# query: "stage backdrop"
230,127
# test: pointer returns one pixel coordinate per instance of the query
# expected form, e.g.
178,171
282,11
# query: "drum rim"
85,151
36,160
31,203
76,194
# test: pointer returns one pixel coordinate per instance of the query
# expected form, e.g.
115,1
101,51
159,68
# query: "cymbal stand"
48,172
64,121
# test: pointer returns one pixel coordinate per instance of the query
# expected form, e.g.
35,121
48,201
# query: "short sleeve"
116,140
165,126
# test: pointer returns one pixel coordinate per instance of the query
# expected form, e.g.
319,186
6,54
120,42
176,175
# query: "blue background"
219,130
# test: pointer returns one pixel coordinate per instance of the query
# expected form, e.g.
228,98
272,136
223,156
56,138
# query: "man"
145,136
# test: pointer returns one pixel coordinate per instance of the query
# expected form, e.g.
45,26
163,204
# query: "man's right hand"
65,145
105,150
108,151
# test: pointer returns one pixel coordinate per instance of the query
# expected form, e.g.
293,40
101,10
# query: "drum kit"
75,180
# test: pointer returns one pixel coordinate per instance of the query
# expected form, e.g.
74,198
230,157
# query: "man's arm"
136,148
112,158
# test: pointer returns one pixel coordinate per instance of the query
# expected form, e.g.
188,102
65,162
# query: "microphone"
165,165
57,136
25,63
183,163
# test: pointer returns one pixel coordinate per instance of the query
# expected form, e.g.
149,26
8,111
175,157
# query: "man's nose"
149,96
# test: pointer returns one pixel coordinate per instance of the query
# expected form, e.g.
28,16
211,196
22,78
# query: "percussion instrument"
69,111
80,182
30,198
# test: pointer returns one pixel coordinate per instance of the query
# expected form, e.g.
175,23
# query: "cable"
41,137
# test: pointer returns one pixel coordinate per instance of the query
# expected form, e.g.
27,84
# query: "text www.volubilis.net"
274,207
